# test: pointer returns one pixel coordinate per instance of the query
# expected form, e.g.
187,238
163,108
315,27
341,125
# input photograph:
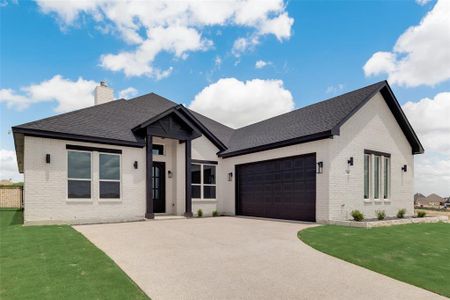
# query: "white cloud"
218,61
237,103
429,118
421,54
422,2
128,93
261,64
242,45
68,94
334,89
170,26
8,166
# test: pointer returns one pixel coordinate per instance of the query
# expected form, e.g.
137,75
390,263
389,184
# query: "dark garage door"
282,188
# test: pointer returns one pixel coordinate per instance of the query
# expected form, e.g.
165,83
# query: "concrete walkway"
236,258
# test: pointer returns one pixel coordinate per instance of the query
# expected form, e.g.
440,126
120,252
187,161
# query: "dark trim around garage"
299,140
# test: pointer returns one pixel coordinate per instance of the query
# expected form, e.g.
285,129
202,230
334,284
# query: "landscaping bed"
56,262
414,253
369,223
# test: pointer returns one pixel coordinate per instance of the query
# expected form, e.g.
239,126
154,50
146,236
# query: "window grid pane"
386,177
79,165
366,175
376,176
109,166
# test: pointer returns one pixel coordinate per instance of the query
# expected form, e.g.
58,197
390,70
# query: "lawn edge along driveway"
413,253
56,262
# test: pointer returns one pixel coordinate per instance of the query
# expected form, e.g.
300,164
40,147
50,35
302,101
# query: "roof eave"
75,137
290,142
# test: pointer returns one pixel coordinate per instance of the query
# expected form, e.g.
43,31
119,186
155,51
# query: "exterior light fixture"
320,167
230,176
169,174
405,168
350,161
47,158
135,164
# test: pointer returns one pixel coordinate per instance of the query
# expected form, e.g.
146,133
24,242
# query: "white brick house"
128,160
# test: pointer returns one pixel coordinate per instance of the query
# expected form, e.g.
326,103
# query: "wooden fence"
11,197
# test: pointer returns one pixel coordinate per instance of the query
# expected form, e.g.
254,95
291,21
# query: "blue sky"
321,54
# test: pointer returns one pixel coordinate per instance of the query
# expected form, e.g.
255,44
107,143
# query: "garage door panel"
283,188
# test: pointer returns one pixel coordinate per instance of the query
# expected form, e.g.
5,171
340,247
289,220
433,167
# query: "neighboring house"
431,200
131,159
6,182
418,197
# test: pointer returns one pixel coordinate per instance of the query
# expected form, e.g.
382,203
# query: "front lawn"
418,254
56,262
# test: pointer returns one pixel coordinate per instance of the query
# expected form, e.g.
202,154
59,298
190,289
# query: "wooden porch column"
188,175
149,177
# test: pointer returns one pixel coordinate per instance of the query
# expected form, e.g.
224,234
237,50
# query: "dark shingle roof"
115,121
310,120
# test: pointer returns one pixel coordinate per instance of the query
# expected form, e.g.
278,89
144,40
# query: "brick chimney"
103,93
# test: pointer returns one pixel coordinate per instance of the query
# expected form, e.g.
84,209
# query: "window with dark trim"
79,174
377,177
109,179
366,176
158,149
203,181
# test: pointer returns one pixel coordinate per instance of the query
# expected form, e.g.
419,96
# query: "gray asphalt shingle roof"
115,120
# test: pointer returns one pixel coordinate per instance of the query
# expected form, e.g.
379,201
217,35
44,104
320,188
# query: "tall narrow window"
79,174
196,181
109,175
376,177
366,176
387,179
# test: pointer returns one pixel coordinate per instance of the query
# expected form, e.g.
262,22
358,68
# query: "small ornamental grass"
215,213
357,215
381,214
200,213
401,213
421,214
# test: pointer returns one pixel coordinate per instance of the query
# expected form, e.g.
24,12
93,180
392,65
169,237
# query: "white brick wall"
373,127
45,190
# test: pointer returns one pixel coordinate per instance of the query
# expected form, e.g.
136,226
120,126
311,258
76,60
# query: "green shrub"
215,213
200,213
357,215
401,213
381,214
421,213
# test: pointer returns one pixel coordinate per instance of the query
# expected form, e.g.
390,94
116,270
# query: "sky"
238,62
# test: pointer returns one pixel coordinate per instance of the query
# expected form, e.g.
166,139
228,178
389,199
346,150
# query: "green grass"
56,262
418,254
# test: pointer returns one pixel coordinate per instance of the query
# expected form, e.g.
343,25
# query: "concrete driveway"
236,258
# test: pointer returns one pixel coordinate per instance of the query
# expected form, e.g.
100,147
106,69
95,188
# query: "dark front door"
281,189
159,187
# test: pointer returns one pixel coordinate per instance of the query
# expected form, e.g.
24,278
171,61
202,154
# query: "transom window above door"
157,149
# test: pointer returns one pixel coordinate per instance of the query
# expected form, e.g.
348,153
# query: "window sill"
378,201
204,200
367,201
110,200
81,200
387,201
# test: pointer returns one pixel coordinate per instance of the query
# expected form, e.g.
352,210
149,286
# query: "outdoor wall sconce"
230,176
169,174
350,161
405,168
135,164
47,158
320,167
